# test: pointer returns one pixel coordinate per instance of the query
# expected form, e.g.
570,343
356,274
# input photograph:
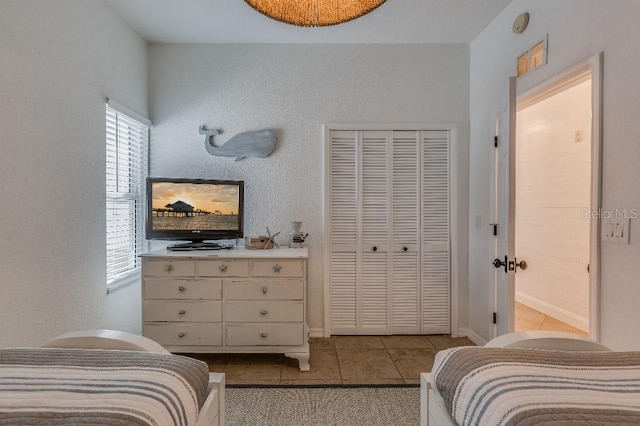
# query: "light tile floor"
360,359
529,319
339,360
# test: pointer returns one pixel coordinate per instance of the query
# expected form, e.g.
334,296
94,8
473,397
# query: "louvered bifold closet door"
405,281
435,291
389,232
373,291
344,212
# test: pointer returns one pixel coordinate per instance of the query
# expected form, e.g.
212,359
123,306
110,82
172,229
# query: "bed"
532,378
104,377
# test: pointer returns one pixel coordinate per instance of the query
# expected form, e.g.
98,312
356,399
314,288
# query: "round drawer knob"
405,248
375,248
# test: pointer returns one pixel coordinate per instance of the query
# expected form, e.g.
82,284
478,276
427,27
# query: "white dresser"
227,301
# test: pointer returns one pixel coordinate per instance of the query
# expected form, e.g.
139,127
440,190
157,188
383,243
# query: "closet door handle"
374,248
405,248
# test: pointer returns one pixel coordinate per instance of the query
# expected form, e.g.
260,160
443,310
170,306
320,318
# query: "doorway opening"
554,165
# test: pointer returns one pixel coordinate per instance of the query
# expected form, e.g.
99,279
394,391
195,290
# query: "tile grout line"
393,361
335,349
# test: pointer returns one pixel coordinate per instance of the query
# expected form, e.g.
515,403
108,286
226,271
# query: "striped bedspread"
497,386
99,387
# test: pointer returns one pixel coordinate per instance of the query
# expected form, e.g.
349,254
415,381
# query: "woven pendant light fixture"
314,13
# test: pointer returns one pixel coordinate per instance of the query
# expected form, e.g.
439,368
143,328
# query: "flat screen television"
197,211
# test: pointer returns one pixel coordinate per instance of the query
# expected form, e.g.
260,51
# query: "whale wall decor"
259,143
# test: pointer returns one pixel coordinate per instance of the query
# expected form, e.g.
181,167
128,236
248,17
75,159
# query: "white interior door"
388,241
373,291
405,229
436,230
343,212
504,213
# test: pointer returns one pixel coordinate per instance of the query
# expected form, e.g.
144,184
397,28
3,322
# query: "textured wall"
577,29
58,61
296,89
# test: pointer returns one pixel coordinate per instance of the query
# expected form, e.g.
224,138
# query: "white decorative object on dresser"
227,301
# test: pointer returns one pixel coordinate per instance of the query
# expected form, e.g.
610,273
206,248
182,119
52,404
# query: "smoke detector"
521,22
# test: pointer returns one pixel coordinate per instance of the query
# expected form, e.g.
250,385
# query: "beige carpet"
311,406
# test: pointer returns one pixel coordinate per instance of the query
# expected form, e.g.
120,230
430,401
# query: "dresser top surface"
235,253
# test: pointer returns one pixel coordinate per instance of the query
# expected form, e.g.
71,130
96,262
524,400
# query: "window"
127,145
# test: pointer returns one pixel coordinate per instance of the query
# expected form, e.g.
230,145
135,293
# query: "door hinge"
495,318
495,141
495,228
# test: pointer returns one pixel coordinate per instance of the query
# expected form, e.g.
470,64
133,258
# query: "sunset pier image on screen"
194,210
192,206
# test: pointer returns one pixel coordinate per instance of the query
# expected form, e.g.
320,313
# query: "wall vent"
533,58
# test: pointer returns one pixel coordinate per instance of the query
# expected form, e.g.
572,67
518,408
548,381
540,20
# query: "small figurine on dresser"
297,237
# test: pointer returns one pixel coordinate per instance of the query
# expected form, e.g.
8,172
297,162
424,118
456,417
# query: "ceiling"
233,21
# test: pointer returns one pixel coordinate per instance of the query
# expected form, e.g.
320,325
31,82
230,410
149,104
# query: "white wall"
58,61
295,89
577,30
553,194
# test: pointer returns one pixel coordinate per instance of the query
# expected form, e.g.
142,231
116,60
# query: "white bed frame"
212,410
432,409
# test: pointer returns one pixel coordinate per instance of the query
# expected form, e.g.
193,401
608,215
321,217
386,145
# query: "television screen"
194,209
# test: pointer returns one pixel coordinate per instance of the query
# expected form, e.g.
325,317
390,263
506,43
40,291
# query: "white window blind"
127,145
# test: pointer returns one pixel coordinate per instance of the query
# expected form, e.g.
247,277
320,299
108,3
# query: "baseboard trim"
547,308
316,332
471,335
462,332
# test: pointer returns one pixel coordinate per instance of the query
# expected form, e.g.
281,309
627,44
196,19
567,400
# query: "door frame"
594,66
454,210
503,289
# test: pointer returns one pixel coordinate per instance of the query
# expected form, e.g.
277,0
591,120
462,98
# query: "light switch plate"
616,230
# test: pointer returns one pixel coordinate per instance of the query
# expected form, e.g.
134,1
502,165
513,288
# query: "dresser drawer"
159,288
264,311
265,335
169,268
264,290
278,268
184,334
223,268
182,311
